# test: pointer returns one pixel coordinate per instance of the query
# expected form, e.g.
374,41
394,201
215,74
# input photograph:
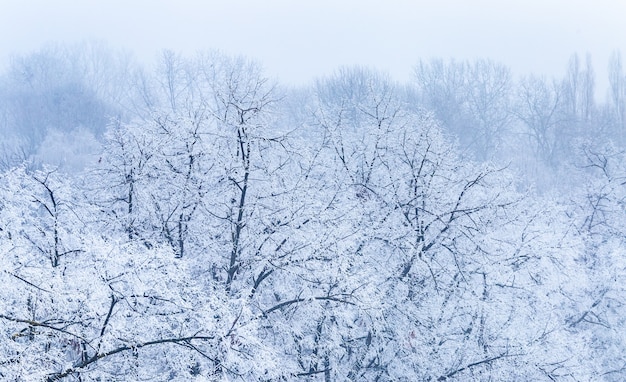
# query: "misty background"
551,72
297,41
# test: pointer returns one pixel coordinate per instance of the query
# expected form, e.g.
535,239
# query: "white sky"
299,39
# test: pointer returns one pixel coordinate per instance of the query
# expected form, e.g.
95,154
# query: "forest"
196,220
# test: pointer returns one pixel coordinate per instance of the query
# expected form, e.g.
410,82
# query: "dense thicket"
230,229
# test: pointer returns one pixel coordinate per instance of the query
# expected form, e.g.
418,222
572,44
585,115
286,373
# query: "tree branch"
484,361
98,356
297,300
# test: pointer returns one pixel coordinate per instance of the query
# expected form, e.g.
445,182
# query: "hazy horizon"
298,42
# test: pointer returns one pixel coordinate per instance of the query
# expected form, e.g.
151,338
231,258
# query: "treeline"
231,229
57,103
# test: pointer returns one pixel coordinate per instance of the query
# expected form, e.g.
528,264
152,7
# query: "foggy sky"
299,40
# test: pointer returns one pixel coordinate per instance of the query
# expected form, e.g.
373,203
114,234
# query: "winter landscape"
193,218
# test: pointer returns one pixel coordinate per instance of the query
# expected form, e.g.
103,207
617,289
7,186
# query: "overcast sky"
298,40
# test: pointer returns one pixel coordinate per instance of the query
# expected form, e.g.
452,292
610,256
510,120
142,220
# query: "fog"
557,51
297,41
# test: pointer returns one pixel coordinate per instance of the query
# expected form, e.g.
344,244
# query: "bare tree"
540,103
617,92
471,99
